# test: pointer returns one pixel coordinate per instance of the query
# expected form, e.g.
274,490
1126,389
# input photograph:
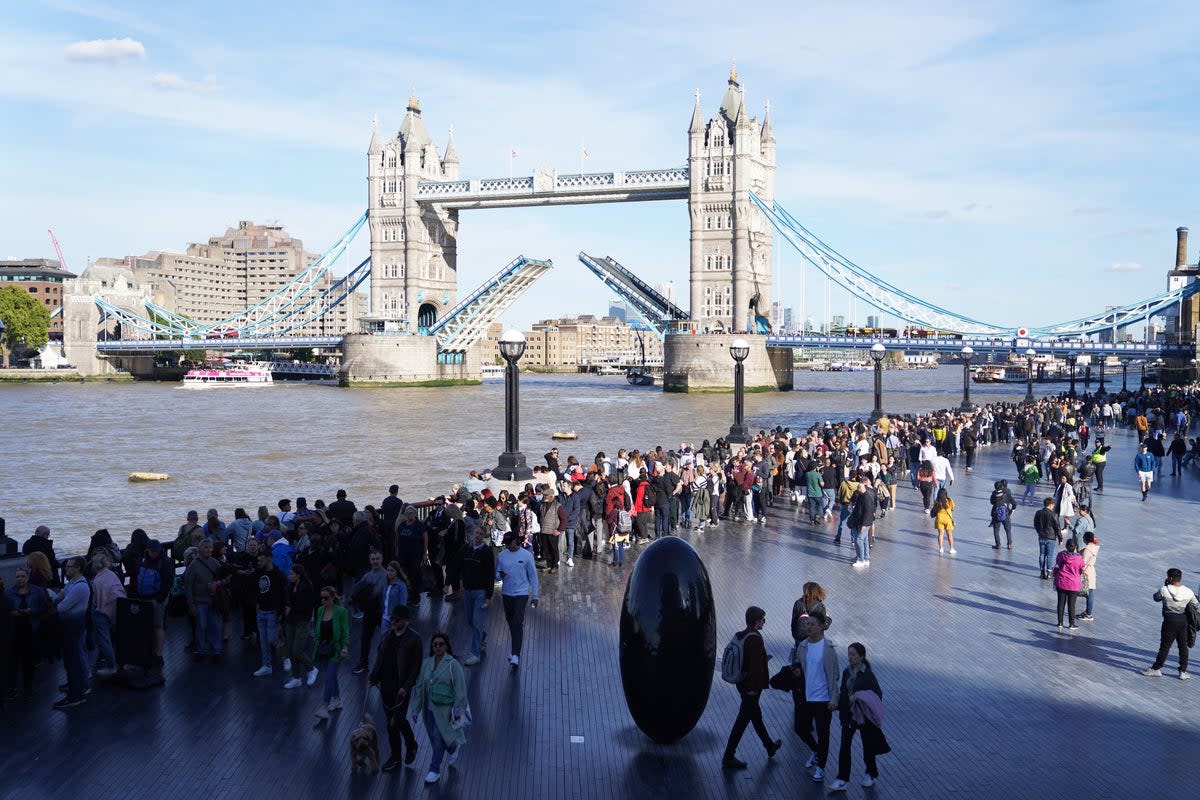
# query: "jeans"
1007,525
371,620
748,712
814,507
809,714
1176,464
826,501
569,536
329,668
209,633
842,517
102,634
436,742
75,656
597,535
662,521
685,509
912,474
268,627
476,618
940,485
862,543
1091,595
514,613
619,553
1030,488
1046,548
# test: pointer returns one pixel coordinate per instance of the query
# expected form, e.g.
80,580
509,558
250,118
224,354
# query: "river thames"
69,448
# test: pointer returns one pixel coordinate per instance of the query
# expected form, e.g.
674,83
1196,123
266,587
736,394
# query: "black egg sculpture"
668,640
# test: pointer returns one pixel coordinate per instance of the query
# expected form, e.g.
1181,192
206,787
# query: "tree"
26,321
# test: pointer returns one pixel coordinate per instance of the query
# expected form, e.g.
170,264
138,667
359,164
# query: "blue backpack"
1001,512
149,581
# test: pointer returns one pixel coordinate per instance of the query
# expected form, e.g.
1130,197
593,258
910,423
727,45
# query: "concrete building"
571,342
1183,322
43,279
213,281
730,156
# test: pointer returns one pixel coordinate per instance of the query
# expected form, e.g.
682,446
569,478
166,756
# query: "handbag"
784,680
441,694
1083,585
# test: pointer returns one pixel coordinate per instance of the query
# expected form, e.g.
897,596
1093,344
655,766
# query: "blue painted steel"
648,303
491,283
233,343
984,345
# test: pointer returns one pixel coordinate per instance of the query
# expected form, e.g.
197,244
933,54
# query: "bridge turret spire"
375,146
768,132
451,156
697,125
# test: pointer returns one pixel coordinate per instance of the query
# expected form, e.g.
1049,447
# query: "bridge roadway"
986,345
138,346
985,698
547,187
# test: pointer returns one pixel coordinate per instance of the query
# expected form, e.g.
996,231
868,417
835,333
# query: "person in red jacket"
754,664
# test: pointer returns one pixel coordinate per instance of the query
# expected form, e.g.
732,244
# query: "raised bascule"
417,329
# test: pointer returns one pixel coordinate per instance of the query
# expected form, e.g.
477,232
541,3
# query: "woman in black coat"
858,677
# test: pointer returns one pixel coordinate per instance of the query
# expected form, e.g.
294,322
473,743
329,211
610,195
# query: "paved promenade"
984,696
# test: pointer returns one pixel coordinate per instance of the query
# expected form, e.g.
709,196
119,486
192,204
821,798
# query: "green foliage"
26,321
303,354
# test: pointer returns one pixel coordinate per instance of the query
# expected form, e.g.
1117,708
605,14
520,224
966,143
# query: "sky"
1022,163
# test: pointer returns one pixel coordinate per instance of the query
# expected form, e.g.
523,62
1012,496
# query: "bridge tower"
729,156
414,247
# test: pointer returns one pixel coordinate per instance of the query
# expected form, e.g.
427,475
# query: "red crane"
54,240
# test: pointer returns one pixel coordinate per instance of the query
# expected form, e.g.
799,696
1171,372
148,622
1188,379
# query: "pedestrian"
331,646
297,614
1045,524
1003,506
514,567
397,665
750,688
1030,475
552,522
1091,551
810,603
478,581
30,606
199,580
106,588
440,695
926,482
270,602
943,514
1178,609
367,595
862,519
72,605
815,664
1145,463
1068,578
859,711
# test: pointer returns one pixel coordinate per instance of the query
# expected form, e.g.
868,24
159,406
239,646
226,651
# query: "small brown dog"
364,746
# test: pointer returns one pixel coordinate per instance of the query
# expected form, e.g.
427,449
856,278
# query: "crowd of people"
297,579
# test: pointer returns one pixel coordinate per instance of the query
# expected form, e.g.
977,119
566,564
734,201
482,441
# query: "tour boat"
639,377
233,375
989,375
492,372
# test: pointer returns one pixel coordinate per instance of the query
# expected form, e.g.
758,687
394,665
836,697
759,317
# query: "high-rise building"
788,320
619,309
872,320
43,279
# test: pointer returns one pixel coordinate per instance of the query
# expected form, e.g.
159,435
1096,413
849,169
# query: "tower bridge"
417,329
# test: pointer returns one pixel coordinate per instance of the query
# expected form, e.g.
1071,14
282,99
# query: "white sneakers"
1183,676
812,761
818,775
1150,672
515,660
294,683
953,552
471,661
287,665
262,672
311,678
322,713
859,563
837,786
452,758
433,777
868,781
570,562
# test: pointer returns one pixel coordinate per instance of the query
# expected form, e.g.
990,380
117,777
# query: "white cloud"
170,82
1125,266
108,51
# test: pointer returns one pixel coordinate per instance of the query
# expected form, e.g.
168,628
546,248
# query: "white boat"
492,372
233,375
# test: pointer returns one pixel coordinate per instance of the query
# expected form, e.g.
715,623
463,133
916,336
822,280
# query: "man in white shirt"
928,451
1177,602
815,662
943,473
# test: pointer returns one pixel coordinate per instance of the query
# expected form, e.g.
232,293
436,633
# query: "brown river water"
66,450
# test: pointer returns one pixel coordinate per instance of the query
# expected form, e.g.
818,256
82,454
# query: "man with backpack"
155,577
745,663
1002,507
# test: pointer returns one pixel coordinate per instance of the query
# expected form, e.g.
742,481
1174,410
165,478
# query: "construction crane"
62,262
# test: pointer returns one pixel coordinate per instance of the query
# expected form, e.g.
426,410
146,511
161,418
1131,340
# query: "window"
33,290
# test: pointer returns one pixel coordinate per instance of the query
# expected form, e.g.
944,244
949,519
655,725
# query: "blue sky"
1020,162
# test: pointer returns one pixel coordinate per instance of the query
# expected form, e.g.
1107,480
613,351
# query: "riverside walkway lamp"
1159,371
1072,358
512,465
878,351
966,354
1100,389
1124,376
1143,386
739,348
1029,354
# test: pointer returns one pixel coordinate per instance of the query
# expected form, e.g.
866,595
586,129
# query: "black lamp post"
1072,357
1143,374
1029,354
512,465
1100,388
1158,364
2,362
966,354
1124,376
878,351
739,348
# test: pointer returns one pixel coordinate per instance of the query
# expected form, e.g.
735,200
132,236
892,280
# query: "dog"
364,747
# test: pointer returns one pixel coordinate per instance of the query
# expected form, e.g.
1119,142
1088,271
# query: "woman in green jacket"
441,695
331,642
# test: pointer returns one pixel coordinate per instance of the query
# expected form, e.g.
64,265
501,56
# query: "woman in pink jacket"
1068,569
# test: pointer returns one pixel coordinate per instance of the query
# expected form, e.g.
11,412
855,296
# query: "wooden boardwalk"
984,697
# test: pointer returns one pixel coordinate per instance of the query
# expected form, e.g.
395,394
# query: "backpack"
149,581
733,659
624,522
1000,511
